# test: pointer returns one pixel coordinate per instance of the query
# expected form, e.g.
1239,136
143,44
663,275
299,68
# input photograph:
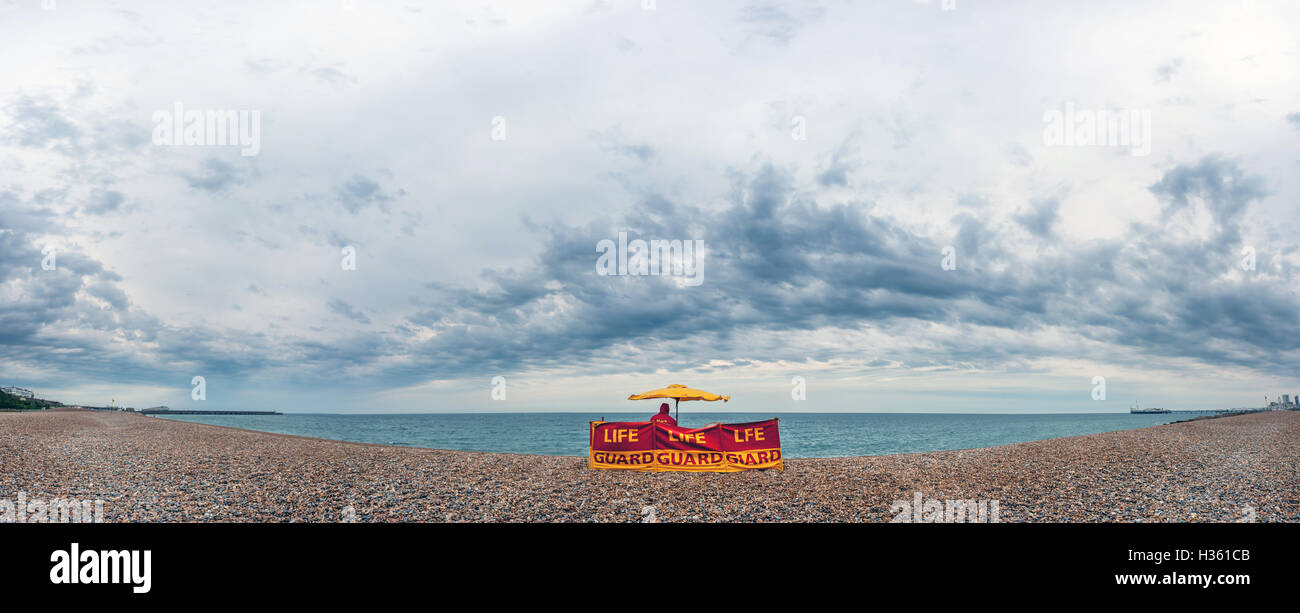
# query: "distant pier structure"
1136,410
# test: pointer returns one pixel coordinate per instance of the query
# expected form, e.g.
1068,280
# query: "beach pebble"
1238,468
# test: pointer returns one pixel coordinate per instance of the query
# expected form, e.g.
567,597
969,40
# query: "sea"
803,435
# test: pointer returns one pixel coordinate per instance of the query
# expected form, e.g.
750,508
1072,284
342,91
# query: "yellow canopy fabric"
679,392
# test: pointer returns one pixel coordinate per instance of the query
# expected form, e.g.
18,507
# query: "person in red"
663,417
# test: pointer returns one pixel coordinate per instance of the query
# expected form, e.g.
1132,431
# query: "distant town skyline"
1004,207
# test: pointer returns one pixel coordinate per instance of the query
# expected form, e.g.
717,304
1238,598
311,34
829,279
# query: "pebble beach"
1237,468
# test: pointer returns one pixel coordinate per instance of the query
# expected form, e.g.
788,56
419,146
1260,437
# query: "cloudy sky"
832,157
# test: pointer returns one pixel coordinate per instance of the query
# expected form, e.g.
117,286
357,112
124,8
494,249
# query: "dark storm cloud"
779,262
1218,183
76,317
215,175
342,308
1041,215
113,295
361,191
835,175
836,172
16,254
104,201
775,263
39,123
19,217
830,259
49,297
45,122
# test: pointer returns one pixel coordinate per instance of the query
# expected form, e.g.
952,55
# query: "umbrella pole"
677,404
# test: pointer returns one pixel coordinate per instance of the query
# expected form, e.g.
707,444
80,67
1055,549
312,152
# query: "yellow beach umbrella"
679,393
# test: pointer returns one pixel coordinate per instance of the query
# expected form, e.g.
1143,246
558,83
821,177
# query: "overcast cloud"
468,158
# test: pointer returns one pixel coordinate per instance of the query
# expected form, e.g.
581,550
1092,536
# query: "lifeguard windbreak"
659,447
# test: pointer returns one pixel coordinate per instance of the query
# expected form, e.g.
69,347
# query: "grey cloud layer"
477,257
777,261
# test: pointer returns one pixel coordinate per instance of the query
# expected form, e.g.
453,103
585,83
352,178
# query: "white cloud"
376,133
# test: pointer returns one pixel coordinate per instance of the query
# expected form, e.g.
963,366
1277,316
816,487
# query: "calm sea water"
802,434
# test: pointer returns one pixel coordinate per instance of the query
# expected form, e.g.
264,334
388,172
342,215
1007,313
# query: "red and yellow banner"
642,445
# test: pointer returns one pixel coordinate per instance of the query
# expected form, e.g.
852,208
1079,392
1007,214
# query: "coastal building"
19,392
